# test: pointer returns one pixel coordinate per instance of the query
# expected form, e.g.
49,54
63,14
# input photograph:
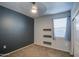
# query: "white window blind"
60,27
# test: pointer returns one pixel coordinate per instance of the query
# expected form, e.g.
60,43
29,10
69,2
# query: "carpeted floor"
38,51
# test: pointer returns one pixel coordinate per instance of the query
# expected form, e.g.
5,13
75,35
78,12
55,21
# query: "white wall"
73,13
75,8
39,25
45,22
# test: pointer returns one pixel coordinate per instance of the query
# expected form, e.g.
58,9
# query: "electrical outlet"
4,46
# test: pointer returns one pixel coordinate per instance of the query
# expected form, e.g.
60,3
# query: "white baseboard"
2,55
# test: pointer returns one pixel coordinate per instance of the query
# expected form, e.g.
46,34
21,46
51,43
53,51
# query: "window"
60,27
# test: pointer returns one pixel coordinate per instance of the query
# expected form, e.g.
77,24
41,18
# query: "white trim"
14,51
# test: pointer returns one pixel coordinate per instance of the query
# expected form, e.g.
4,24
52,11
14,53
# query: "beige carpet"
39,51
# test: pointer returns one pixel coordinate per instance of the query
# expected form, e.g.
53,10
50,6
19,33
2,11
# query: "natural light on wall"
60,27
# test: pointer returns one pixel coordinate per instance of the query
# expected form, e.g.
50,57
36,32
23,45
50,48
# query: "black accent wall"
16,30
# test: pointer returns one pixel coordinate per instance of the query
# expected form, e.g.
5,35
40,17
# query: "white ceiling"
44,8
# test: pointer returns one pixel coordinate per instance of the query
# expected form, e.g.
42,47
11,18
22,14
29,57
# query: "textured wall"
16,30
